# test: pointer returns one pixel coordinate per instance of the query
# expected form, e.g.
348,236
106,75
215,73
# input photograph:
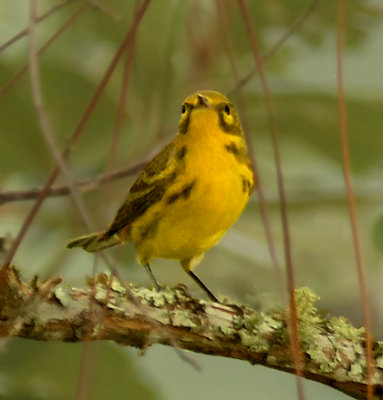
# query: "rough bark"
333,350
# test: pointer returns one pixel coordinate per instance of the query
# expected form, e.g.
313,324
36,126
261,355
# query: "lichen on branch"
333,350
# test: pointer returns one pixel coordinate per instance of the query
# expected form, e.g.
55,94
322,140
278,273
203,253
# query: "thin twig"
82,387
8,86
24,32
72,140
292,29
102,8
120,115
53,38
39,105
85,185
259,187
115,139
295,346
47,131
343,130
54,9
43,118
87,369
82,392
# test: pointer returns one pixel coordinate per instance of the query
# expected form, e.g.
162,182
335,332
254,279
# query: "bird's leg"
202,286
152,277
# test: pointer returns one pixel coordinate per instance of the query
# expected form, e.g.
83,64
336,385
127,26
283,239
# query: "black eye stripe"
228,125
183,109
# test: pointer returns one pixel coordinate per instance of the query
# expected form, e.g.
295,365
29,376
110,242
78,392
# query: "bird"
189,194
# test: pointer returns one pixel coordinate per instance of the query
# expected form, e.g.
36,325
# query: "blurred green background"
180,48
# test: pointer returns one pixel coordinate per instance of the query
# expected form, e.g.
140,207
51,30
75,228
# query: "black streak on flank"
246,185
149,230
239,153
183,194
232,148
181,153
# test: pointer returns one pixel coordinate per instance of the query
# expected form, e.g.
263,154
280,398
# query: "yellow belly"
190,225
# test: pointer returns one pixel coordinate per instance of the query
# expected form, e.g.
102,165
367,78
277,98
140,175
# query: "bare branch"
346,162
53,10
294,27
74,137
225,32
293,323
24,32
123,98
44,122
333,349
86,185
102,8
8,86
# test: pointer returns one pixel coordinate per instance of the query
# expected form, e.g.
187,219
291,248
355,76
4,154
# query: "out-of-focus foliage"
51,370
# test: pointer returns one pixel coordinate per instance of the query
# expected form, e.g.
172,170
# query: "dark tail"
94,242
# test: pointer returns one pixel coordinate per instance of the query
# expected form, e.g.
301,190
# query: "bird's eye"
183,109
227,109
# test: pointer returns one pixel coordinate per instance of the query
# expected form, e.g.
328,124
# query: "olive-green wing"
147,190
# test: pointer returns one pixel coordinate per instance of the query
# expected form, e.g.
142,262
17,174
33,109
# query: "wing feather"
148,189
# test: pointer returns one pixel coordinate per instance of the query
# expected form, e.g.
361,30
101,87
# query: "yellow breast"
205,199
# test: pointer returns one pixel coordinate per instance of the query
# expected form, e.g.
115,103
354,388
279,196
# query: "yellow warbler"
190,194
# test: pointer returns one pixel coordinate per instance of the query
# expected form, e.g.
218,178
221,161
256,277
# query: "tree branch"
86,185
333,350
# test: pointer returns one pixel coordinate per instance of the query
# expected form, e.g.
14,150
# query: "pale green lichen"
271,322
253,341
160,315
111,281
310,329
180,295
379,362
96,329
116,286
320,350
253,332
100,294
341,327
356,370
273,327
158,298
348,343
237,321
342,349
62,296
182,318
113,305
108,292
250,320
167,294
379,354
305,300
308,315
228,330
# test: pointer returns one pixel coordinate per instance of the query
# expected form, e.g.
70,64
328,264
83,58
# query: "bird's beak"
203,101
